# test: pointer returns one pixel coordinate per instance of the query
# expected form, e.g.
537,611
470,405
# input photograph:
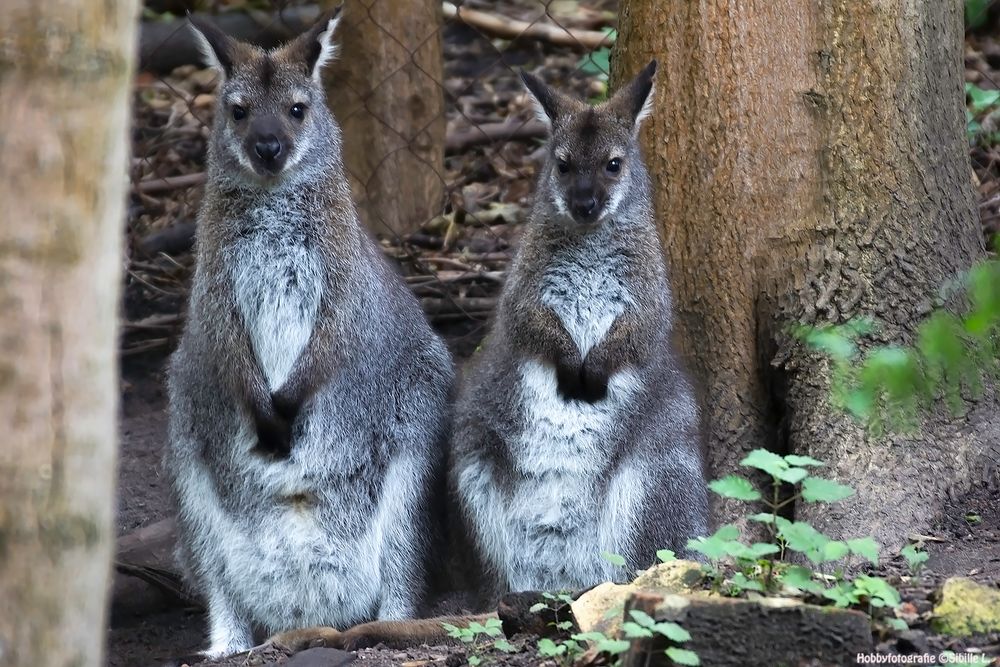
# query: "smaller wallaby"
309,397
577,430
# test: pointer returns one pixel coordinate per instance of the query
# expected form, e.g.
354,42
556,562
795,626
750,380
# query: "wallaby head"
594,158
271,118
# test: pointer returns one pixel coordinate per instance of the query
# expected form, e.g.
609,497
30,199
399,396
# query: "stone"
966,608
600,608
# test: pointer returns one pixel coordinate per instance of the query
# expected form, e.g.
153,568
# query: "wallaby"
576,430
309,397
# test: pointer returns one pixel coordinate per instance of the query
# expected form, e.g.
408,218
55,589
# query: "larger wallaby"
309,397
577,429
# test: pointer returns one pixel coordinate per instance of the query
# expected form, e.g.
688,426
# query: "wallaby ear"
218,49
635,99
315,47
549,104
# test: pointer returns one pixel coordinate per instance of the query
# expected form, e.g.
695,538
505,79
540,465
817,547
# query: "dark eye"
298,111
563,166
614,166
239,113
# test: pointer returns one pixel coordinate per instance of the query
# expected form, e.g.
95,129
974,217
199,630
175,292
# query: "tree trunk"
813,168
65,75
386,92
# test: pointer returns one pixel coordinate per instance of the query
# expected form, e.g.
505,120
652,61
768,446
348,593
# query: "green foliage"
953,354
614,559
914,558
597,63
476,633
757,567
975,13
666,555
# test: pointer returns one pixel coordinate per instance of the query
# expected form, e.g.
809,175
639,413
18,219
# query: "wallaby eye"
298,111
239,113
614,165
563,166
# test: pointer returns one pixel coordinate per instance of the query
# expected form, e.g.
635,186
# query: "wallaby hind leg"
228,633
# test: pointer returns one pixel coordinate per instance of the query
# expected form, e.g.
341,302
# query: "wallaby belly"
277,280
292,548
569,501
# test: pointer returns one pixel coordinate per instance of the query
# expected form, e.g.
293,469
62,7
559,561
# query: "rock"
732,632
966,608
320,657
912,641
516,616
600,608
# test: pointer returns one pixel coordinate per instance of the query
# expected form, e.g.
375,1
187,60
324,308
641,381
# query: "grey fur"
309,398
577,429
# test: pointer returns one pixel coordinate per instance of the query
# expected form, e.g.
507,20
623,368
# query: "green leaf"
564,625
672,631
866,547
717,545
877,589
802,461
642,618
741,582
843,595
549,648
764,460
792,475
760,549
734,486
819,490
800,577
613,646
897,624
802,537
980,99
635,631
975,13
666,555
474,660
914,557
537,607
614,559
762,517
682,656
835,550
505,646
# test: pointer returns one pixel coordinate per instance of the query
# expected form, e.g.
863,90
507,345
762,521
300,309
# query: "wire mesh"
454,250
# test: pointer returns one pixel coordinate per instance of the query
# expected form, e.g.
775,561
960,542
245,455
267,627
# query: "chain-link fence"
436,121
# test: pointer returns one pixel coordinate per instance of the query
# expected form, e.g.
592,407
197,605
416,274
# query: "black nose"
584,207
268,148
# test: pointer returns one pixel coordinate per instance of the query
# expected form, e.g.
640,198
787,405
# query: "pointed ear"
315,47
635,100
218,49
549,104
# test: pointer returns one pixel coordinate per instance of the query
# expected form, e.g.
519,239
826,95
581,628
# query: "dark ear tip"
651,67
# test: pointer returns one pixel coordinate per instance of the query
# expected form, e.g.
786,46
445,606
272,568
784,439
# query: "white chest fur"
566,506
278,283
585,291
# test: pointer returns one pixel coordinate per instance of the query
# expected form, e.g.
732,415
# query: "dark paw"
569,379
286,407
594,383
274,436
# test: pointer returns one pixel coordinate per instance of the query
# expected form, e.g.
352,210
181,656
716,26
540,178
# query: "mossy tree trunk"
387,93
813,168
65,75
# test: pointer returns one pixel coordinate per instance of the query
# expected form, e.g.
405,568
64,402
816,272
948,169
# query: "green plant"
914,558
758,567
975,13
480,636
952,356
598,64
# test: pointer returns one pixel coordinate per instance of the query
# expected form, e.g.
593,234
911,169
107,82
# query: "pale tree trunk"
812,167
65,71
386,91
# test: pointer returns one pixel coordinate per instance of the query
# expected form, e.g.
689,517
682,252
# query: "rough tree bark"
812,167
65,72
387,93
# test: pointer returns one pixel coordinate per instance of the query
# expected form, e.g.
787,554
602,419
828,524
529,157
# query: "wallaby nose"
268,148
584,207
